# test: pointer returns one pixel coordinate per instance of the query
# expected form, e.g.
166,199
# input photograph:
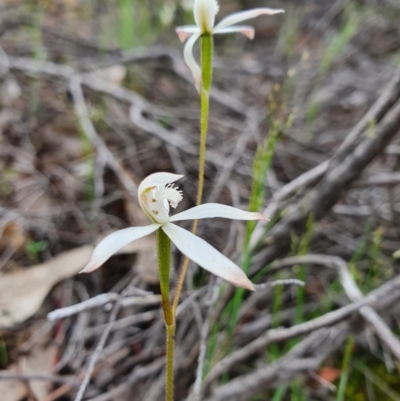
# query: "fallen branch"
101,300
380,298
318,201
374,116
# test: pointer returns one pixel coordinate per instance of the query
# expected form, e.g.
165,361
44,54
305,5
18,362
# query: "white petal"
245,15
206,256
245,30
204,14
184,32
210,210
114,242
191,62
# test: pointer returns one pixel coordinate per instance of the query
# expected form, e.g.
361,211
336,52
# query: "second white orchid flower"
204,15
156,194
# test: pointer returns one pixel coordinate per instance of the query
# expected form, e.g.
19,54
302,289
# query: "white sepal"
184,32
114,242
191,62
245,15
210,210
206,256
245,30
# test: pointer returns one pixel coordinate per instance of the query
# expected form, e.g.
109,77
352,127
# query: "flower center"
204,14
159,199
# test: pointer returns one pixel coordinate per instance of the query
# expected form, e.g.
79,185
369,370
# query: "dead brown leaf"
22,292
40,359
11,235
12,390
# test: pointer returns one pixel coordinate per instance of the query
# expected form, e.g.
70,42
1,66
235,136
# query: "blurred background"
95,95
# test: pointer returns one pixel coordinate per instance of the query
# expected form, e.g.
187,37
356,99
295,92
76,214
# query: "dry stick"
374,115
378,297
321,199
4,62
100,300
253,122
177,65
58,393
327,192
97,352
88,127
379,179
354,294
196,396
137,102
138,374
176,140
6,375
100,346
305,356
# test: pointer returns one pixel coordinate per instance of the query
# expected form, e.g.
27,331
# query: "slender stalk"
206,76
344,377
164,268
169,393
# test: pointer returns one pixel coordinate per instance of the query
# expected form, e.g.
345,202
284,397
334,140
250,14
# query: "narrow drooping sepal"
245,15
190,60
211,210
206,256
114,242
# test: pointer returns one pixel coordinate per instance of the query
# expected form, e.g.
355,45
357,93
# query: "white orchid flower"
204,15
156,194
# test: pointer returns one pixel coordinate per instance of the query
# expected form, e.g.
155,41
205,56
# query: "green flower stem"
169,392
206,80
164,268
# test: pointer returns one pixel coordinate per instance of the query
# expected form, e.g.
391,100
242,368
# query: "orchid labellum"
156,195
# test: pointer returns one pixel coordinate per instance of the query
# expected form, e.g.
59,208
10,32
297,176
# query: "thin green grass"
279,393
289,32
3,353
345,371
350,26
127,27
262,164
336,45
301,271
139,24
89,158
375,382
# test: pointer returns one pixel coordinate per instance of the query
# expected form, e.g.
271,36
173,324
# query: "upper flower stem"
204,15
